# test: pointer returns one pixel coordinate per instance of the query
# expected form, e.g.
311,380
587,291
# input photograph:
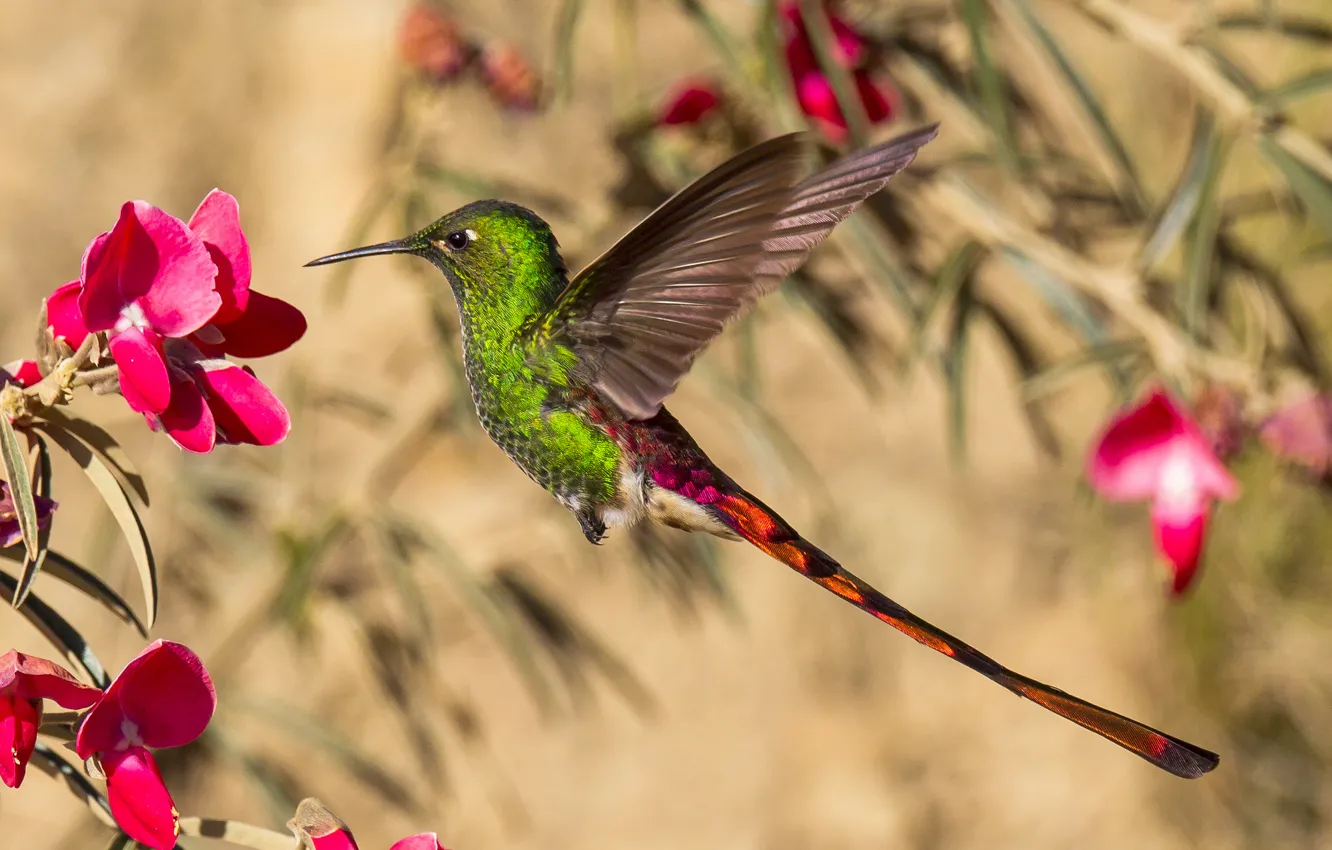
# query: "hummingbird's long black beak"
397,246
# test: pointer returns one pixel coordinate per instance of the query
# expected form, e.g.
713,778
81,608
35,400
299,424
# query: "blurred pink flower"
9,525
420,841
432,45
24,682
1301,433
163,698
814,91
509,77
247,323
1154,451
147,278
1219,411
25,373
689,101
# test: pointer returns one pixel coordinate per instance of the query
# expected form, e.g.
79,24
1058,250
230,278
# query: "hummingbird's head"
492,252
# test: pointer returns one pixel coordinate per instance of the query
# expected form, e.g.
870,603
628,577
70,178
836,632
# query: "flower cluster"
434,47
693,100
174,299
319,829
163,698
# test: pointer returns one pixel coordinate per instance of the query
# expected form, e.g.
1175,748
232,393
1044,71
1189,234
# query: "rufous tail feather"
755,522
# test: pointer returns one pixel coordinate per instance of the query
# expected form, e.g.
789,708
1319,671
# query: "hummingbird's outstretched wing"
639,315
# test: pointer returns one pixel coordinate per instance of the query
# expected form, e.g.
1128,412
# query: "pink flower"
25,373
1156,452
147,278
163,698
689,102
421,841
1301,433
24,682
9,525
814,91
247,323
319,829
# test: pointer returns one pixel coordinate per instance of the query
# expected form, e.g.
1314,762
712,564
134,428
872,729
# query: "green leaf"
1308,28
237,833
952,276
41,484
20,490
566,27
1202,247
60,633
1308,85
1314,192
990,83
58,566
955,373
1129,183
101,442
1060,374
122,508
1179,210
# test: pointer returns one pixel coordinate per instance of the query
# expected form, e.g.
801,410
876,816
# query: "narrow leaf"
1178,211
565,30
824,41
1107,356
20,490
1308,28
60,567
1202,247
41,484
948,283
990,83
1129,183
955,373
104,445
60,633
116,498
1314,192
1309,85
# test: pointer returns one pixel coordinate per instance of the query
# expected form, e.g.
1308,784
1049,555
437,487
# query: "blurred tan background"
791,722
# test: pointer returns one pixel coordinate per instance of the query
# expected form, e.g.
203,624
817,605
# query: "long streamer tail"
755,522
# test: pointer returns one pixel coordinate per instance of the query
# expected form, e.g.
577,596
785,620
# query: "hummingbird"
569,374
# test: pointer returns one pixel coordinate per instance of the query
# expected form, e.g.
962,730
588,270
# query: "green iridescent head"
499,257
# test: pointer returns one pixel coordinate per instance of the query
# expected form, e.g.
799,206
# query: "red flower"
1301,433
147,278
431,44
814,91
24,682
163,698
421,841
1156,452
509,77
689,102
319,829
247,324
9,526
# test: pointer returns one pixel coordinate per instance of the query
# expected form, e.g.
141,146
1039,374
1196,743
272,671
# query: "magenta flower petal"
140,802
880,100
187,420
25,373
19,720
144,381
850,43
163,698
246,411
421,841
689,103
30,677
63,315
1179,526
150,261
217,223
1137,448
267,326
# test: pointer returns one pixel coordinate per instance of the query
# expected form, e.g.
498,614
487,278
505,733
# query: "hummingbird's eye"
458,240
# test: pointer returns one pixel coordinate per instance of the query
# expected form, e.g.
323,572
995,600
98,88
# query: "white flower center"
131,317
129,735
1179,484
